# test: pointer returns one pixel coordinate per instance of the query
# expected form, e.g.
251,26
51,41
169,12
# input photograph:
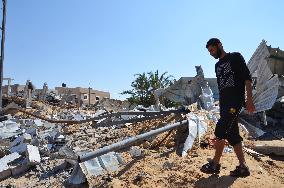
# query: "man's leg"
213,167
236,141
219,147
242,170
240,154
220,130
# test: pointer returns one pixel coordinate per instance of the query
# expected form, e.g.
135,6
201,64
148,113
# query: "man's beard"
218,54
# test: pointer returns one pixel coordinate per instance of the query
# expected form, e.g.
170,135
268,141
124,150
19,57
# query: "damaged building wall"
15,89
83,93
212,82
276,60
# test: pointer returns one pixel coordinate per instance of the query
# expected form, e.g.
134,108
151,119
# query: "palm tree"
144,84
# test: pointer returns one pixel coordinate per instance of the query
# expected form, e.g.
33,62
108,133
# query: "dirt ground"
166,169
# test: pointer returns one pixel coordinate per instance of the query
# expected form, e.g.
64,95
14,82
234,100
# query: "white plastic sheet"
196,128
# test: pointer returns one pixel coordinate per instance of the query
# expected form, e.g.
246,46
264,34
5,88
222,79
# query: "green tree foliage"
144,85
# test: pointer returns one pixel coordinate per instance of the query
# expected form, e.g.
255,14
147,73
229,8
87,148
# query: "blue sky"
106,42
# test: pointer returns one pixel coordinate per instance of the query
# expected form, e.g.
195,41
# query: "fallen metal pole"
130,120
117,114
128,142
148,115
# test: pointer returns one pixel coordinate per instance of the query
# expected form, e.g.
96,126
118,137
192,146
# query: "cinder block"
33,155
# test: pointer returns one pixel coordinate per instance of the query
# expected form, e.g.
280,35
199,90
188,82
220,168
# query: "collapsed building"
77,96
267,68
56,145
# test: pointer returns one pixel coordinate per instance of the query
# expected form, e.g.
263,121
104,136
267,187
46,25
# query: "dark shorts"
227,126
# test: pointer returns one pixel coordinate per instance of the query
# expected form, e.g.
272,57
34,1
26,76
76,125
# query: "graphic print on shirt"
225,75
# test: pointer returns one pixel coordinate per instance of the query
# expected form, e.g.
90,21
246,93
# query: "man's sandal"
240,171
211,168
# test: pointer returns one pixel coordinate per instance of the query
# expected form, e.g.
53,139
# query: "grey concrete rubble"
270,147
21,148
135,151
94,167
12,165
4,165
9,129
33,155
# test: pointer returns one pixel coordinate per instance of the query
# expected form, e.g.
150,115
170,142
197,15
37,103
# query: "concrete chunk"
17,141
4,165
135,151
109,161
93,167
9,129
7,159
32,154
270,147
38,122
27,138
20,169
19,148
32,131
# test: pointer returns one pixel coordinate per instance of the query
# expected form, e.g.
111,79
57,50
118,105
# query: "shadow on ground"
215,181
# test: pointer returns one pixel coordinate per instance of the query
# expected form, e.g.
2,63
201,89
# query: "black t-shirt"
232,72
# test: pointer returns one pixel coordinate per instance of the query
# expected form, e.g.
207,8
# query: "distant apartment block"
87,95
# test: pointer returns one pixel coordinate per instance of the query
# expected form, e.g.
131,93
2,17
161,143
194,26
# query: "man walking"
233,78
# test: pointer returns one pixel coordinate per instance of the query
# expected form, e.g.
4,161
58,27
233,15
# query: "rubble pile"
114,105
41,153
31,145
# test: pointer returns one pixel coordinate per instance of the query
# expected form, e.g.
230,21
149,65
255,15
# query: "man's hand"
250,106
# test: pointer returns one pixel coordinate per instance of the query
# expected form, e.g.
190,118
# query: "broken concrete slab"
25,138
35,142
109,161
135,151
253,131
9,129
21,148
4,164
77,177
38,122
5,173
33,155
26,122
78,117
67,152
92,167
31,131
17,141
19,169
270,147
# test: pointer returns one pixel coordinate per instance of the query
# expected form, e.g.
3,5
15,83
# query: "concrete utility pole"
2,50
90,96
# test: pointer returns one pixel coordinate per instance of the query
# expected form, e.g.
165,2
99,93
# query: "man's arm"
249,103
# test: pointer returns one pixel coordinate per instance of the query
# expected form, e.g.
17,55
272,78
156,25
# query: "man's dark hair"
213,42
